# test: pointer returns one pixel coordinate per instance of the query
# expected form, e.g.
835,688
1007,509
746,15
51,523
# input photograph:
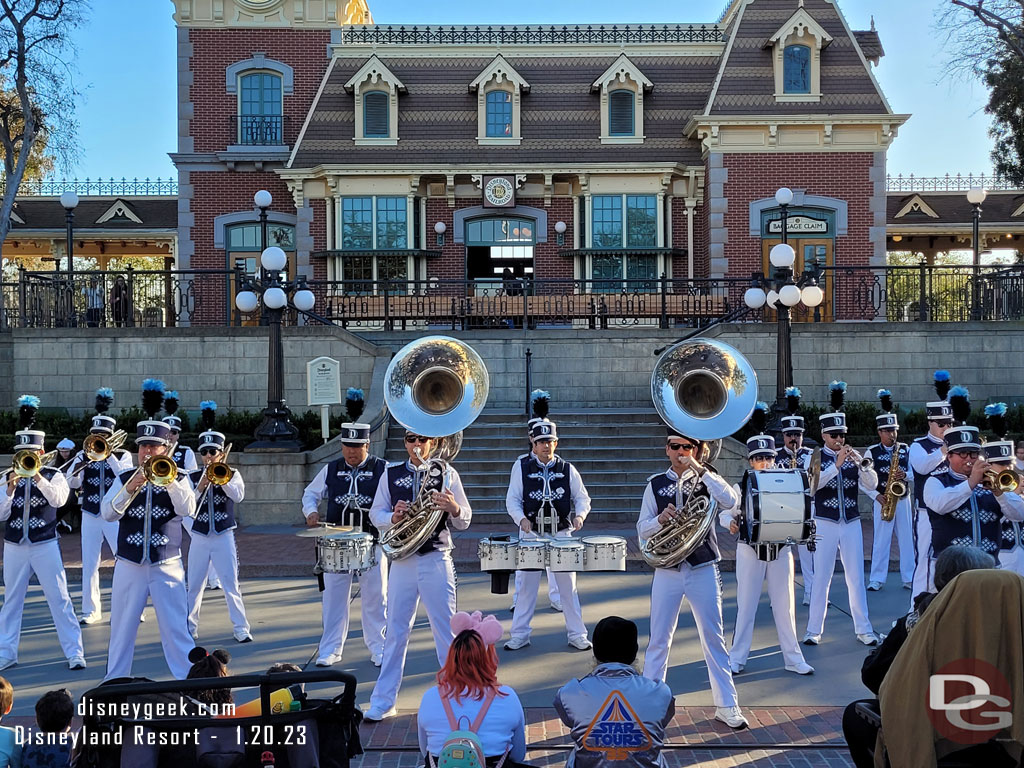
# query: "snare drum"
777,508
565,555
532,555
604,553
498,555
345,552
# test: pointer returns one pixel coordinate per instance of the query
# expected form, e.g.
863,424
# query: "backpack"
462,748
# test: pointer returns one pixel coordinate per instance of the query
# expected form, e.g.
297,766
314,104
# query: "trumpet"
863,463
27,463
1004,481
160,470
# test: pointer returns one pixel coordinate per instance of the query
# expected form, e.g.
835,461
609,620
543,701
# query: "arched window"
620,113
796,69
375,115
499,113
260,109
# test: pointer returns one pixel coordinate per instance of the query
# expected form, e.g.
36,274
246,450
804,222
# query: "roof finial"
873,23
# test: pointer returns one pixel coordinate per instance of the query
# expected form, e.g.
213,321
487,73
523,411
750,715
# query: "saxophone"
894,489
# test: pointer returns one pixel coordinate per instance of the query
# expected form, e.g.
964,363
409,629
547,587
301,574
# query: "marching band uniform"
793,424
349,491
999,453
881,456
95,480
531,487
149,563
427,574
30,546
213,536
838,528
695,578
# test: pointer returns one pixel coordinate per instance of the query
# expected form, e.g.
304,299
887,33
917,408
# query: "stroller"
138,723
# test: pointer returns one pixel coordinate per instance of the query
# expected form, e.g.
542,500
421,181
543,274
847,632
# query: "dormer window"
376,90
796,57
498,89
622,87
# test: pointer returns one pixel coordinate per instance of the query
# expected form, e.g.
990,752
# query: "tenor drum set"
589,553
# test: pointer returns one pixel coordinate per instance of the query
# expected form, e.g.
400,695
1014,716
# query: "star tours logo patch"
616,731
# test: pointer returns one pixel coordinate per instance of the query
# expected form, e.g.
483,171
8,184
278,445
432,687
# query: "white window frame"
335,265
499,75
374,75
622,74
800,29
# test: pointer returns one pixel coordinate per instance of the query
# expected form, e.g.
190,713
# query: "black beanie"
615,640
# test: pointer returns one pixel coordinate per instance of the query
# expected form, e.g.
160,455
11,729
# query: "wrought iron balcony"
539,34
259,130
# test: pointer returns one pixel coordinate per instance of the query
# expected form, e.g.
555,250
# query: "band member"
546,496
793,455
182,455
753,564
964,505
213,530
427,574
29,505
69,516
695,578
999,454
927,455
149,549
349,484
881,454
95,479
838,523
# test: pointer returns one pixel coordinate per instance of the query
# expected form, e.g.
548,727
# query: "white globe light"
274,298
782,255
304,300
262,199
560,227
812,295
784,196
976,195
754,298
246,301
440,228
789,295
273,259
69,200
772,298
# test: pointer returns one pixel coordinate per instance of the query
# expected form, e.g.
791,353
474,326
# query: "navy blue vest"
1013,536
664,489
350,492
149,535
930,447
837,499
978,523
97,477
784,459
404,485
556,478
179,455
40,519
215,502
882,457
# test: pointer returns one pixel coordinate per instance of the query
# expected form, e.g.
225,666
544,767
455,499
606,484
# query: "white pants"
848,540
882,542
373,588
42,559
806,569
924,573
218,550
94,530
553,596
133,585
702,586
1012,560
431,578
528,585
750,577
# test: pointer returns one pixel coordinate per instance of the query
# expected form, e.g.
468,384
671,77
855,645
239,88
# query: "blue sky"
126,64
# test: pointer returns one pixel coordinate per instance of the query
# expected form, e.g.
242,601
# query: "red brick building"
610,154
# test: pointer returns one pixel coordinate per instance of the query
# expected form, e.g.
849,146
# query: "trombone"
98,448
217,473
27,463
160,470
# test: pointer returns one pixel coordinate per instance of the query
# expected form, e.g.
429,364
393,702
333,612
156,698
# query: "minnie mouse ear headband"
488,627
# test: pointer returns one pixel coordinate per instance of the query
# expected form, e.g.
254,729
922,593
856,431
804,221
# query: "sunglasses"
943,423
416,439
209,451
682,446
967,454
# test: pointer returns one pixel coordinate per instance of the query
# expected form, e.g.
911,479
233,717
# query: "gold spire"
357,12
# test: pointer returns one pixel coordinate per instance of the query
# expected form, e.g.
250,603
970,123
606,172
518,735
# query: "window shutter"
375,115
620,113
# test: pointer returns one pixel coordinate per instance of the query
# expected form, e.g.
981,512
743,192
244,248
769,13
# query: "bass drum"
778,507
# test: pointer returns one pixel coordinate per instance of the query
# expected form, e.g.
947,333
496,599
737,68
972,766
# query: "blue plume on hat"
541,403
759,418
171,402
27,407
996,413
208,408
104,399
792,400
885,398
960,402
152,396
942,384
354,403
837,395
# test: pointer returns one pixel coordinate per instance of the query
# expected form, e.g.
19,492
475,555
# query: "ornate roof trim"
376,71
618,71
499,69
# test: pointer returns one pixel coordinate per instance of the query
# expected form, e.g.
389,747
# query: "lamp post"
276,433
780,294
262,201
69,201
976,196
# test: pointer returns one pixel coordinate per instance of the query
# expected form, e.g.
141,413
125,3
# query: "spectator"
93,303
120,303
635,709
860,734
210,665
512,285
467,690
69,516
54,712
10,749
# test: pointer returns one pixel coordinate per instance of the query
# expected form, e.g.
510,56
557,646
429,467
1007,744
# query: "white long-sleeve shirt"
867,479
55,491
234,489
723,493
924,463
942,500
503,727
382,508
514,497
116,465
182,496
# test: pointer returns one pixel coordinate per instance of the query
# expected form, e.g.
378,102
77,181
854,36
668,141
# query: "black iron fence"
169,298
259,130
540,34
